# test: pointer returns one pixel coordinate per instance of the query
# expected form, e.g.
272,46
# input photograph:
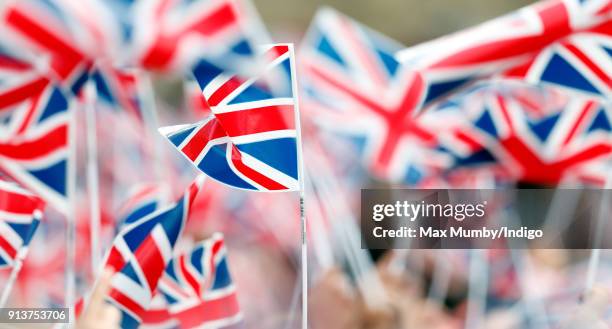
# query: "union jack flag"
173,33
141,252
353,85
537,142
20,213
250,142
198,290
35,144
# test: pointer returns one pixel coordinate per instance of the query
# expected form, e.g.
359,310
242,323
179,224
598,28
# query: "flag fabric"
35,144
45,27
539,142
250,142
576,64
354,86
171,34
20,214
503,43
141,252
143,200
198,290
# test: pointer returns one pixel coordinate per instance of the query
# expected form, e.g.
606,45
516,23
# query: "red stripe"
555,20
210,131
134,308
30,114
207,311
165,46
255,176
210,310
32,149
18,203
474,144
65,57
115,260
151,261
188,277
505,114
213,254
13,64
601,74
578,122
257,120
22,93
224,90
276,52
7,247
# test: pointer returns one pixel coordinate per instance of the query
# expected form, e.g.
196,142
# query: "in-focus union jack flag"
20,213
197,289
250,141
141,252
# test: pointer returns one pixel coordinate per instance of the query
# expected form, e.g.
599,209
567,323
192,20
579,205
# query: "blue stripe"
561,72
140,212
215,165
485,122
543,128
196,259
172,221
222,276
178,137
57,104
204,72
53,176
324,46
600,122
281,154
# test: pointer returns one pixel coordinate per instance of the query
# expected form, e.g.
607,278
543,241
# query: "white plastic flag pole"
93,182
301,180
71,217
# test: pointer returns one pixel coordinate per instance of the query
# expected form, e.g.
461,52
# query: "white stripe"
215,84
222,322
252,105
264,136
10,236
162,242
270,172
131,289
15,217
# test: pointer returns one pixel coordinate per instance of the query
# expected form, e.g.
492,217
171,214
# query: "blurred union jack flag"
505,43
250,142
354,85
20,213
197,290
45,27
537,140
141,252
173,33
35,146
